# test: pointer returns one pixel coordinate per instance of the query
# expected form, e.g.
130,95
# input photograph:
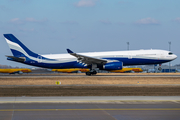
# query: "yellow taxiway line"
92,101
129,109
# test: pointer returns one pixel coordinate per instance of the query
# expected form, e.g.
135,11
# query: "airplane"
112,60
75,70
71,70
15,70
124,70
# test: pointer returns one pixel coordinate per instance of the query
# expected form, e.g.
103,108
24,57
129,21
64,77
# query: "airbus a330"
112,60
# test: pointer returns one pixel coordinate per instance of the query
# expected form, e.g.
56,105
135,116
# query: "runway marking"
93,101
98,109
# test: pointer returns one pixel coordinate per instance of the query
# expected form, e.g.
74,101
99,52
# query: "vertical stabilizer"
18,49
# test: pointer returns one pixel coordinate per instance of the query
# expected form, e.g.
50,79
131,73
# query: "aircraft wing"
86,59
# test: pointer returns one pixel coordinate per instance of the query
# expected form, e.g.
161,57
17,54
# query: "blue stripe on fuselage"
75,64
19,54
138,61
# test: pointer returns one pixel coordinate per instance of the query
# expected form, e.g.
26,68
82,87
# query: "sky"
52,26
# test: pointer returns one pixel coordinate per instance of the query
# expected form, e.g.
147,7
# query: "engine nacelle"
113,66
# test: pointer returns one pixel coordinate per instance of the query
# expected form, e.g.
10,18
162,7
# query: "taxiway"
125,108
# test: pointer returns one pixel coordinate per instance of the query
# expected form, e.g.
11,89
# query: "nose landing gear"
159,68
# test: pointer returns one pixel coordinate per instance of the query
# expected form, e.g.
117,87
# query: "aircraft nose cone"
175,56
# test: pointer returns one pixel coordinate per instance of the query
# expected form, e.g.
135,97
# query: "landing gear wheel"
88,73
94,73
159,68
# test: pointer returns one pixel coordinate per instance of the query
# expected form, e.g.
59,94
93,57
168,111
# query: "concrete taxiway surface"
90,99
89,111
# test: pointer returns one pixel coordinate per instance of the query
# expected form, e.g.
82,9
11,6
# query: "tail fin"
18,49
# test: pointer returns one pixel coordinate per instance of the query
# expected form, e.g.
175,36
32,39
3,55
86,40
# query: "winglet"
69,51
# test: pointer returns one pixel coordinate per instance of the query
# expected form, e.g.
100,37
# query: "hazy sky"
51,26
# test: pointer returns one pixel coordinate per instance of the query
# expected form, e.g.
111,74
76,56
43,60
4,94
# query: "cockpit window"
170,53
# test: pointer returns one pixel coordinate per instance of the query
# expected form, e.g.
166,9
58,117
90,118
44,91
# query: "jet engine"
113,66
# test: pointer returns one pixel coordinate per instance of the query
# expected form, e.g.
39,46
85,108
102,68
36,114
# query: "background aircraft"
15,70
113,60
71,70
128,70
75,70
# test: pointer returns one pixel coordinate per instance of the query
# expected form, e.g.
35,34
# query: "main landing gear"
93,70
91,73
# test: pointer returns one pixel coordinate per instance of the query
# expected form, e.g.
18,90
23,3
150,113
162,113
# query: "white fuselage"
138,54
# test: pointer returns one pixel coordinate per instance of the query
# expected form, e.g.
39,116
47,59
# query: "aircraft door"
129,56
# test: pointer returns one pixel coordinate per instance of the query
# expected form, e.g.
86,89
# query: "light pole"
127,45
169,62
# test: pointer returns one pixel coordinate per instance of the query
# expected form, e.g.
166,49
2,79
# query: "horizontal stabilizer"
16,58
